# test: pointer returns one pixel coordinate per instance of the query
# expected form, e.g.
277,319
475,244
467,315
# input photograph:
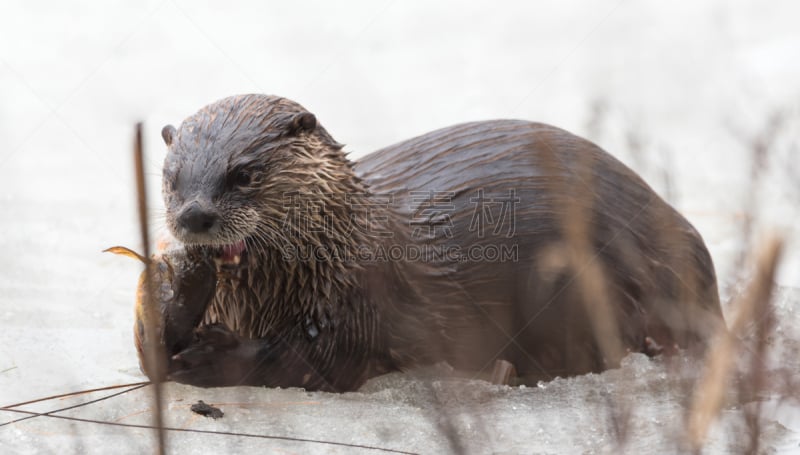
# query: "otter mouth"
230,255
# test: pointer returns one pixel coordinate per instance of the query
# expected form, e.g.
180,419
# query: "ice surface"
412,412
683,89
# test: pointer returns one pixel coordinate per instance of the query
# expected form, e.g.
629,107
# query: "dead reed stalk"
709,392
154,356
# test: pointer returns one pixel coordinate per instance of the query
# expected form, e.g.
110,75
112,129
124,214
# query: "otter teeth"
228,260
231,254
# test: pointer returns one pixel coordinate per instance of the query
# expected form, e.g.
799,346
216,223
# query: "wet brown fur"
330,324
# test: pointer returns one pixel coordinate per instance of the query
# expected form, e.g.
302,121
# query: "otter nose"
196,219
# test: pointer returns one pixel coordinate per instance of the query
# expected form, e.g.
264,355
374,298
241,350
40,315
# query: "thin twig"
72,394
74,406
222,433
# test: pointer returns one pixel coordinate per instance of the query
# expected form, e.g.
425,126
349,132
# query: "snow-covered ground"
681,91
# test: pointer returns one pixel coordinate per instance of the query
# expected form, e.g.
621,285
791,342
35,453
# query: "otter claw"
216,357
208,340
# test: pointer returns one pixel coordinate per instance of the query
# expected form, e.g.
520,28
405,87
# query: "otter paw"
216,357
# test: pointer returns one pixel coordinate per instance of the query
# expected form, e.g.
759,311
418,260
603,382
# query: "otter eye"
241,178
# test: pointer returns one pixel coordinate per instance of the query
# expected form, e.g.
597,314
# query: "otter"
502,240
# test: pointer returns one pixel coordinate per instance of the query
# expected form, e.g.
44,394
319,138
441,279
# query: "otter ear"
302,122
168,133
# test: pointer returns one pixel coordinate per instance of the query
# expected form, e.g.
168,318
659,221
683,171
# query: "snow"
693,83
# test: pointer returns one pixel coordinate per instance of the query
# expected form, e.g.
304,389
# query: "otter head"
230,165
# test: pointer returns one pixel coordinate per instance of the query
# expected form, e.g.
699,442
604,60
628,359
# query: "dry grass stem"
709,392
154,356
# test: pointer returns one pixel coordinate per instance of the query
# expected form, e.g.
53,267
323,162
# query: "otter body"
468,245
